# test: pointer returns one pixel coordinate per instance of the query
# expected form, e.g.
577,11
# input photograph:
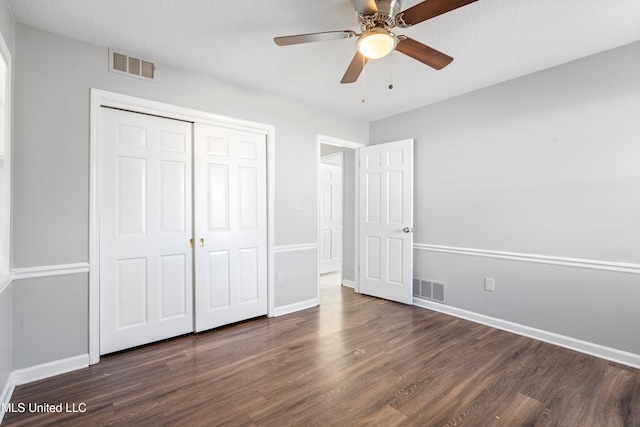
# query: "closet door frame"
101,98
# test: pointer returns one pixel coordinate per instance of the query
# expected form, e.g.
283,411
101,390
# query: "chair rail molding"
295,248
619,267
49,270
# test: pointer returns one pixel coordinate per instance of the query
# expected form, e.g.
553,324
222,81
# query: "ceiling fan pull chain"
364,80
391,71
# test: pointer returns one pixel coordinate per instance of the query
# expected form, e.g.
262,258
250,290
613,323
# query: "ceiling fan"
377,19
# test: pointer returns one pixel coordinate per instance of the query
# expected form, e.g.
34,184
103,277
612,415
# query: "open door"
386,221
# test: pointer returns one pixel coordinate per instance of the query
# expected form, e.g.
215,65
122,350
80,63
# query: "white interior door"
386,220
330,214
146,289
230,190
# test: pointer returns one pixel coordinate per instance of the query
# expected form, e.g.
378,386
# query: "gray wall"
297,267
51,174
545,164
41,321
6,347
349,207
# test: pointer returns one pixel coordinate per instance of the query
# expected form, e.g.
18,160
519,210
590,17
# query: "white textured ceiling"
491,41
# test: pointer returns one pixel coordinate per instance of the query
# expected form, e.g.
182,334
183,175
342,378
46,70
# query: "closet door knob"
201,242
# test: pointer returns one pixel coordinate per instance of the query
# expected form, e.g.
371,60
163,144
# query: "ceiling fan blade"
355,68
423,53
365,7
313,37
431,8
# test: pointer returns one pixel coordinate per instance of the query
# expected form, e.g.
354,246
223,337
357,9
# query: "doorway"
382,248
337,251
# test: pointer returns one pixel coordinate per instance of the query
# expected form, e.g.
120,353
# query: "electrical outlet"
489,284
280,277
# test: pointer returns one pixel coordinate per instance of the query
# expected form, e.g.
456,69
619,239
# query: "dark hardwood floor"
355,360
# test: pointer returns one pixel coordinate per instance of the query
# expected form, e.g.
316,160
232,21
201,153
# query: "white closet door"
146,290
230,211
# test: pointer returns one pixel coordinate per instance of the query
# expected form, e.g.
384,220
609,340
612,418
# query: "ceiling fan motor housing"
385,16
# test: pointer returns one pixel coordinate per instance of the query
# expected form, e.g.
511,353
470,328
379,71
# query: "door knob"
201,242
407,230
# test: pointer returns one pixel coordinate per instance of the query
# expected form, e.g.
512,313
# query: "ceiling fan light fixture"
376,43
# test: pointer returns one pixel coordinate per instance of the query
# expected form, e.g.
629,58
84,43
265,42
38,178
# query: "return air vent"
131,66
433,291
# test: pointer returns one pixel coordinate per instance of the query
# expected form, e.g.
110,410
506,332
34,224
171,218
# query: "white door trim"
101,98
329,140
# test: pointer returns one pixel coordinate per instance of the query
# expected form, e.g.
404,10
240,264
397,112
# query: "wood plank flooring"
355,360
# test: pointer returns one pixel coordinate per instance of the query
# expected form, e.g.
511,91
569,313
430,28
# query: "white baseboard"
607,353
7,392
349,283
40,372
292,308
50,369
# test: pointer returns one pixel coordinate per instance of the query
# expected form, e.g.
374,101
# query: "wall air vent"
119,62
433,291
131,66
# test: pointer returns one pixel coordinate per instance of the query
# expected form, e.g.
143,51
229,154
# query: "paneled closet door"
230,212
145,188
